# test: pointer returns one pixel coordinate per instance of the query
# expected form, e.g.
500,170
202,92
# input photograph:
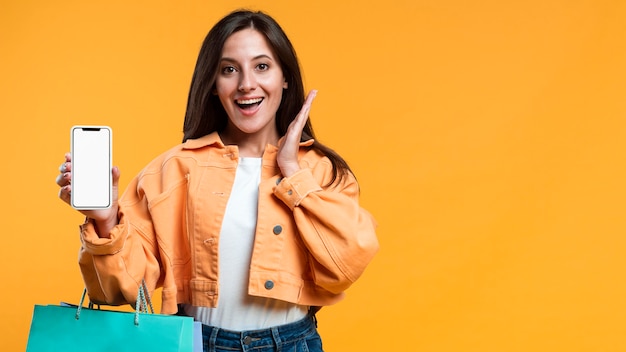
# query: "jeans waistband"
255,338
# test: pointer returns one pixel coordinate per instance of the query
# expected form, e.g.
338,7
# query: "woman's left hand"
287,157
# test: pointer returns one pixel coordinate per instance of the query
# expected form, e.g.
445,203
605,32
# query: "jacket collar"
213,139
204,141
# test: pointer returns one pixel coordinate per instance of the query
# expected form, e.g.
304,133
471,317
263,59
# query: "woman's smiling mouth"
248,104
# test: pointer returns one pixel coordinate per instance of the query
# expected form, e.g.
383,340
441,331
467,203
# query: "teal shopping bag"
65,328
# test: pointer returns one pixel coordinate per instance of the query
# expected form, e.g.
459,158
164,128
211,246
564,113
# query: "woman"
250,225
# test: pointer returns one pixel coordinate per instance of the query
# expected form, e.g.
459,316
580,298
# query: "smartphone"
91,179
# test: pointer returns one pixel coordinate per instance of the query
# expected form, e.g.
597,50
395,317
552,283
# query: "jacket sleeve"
339,234
113,268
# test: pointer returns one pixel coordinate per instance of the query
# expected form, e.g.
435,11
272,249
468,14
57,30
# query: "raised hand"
105,219
287,157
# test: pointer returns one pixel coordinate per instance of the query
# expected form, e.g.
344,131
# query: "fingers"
310,97
287,157
306,109
296,126
64,177
65,193
67,165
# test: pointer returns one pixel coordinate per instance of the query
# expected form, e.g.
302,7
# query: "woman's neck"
249,145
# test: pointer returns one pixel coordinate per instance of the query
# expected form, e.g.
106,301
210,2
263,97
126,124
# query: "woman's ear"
285,85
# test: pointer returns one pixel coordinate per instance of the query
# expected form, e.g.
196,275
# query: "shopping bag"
66,328
197,336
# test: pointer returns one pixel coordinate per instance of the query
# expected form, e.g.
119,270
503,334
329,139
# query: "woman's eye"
228,69
263,67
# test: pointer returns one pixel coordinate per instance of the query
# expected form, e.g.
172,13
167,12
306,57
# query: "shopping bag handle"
143,304
143,299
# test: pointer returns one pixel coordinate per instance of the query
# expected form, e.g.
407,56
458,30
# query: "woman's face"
250,84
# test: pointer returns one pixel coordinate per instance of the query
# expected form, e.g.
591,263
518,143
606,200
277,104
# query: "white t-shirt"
236,310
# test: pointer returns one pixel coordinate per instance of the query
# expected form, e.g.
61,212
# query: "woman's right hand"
105,219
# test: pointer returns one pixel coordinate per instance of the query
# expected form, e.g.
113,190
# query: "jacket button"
269,284
277,229
278,180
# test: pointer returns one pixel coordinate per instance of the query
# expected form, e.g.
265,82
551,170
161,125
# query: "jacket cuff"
95,245
292,190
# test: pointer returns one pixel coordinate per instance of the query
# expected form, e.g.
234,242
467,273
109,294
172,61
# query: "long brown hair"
205,114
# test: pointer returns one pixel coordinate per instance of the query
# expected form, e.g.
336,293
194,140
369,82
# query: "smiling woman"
250,86
206,112
265,220
488,138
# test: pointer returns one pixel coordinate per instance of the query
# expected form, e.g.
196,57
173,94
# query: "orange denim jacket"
311,241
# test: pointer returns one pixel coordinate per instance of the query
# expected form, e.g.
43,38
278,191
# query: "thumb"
115,173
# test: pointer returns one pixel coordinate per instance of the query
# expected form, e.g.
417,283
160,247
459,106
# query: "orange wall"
488,137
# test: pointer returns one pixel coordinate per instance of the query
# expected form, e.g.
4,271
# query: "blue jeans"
301,336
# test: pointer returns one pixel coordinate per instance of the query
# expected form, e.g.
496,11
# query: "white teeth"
249,101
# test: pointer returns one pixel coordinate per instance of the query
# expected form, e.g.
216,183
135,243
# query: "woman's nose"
247,83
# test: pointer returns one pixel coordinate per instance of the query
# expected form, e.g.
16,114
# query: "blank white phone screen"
91,167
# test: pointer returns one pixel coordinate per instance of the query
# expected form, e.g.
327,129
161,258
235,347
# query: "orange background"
488,137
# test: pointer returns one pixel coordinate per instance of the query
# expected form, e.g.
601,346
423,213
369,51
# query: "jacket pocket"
168,211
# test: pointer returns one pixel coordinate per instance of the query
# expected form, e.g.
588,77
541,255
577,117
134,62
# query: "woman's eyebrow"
262,56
